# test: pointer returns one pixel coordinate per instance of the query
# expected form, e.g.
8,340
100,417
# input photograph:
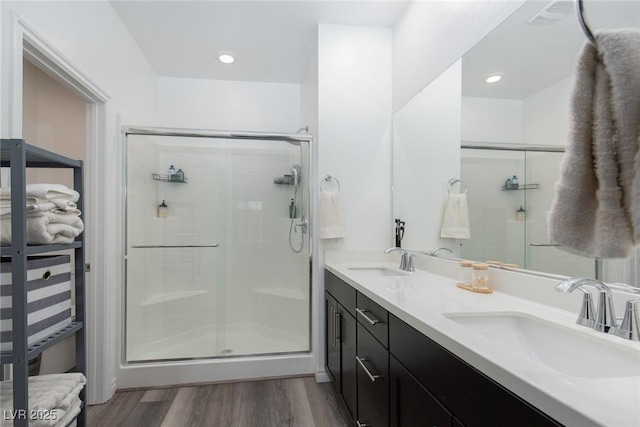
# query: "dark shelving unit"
18,155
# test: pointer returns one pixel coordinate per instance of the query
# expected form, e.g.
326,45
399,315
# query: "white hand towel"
45,229
596,208
455,223
330,220
38,193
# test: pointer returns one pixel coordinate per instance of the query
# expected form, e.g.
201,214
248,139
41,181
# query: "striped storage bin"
48,298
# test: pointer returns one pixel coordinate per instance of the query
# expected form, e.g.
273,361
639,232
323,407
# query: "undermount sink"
377,271
566,350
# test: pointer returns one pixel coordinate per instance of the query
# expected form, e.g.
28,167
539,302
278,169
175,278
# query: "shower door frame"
292,138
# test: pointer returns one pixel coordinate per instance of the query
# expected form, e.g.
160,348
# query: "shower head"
296,171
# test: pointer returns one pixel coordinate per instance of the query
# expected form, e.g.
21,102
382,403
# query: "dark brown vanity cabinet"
340,333
472,397
402,378
411,405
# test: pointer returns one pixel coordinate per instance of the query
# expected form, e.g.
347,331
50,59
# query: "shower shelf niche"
167,178
171,296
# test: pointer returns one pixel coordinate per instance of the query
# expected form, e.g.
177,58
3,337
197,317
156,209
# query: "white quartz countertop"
422,299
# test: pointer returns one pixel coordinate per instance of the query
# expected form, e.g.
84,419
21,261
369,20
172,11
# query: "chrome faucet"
404,261
605,319
436,250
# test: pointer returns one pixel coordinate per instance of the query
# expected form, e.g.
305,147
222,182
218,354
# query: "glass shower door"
542,173
224,271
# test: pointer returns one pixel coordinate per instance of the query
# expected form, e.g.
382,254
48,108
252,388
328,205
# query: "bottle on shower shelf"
172,173
163,210
179,176
514,182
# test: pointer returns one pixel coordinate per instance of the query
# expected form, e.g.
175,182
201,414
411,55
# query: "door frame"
21,42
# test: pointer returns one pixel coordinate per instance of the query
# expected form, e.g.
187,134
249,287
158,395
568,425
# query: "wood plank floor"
296,402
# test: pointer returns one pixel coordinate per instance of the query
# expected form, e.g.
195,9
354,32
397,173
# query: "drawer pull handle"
47,275
371,376
363,424
362,313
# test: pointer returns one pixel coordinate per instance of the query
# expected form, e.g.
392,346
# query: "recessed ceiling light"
493,78
226,58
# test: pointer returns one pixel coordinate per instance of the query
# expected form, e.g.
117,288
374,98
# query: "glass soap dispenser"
521,214
163,210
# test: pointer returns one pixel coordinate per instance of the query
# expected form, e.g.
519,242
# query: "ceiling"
533,57
270,40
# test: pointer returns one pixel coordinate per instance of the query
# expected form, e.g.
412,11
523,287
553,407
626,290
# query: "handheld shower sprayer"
296,172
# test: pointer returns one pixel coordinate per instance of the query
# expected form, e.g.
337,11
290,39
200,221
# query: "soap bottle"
163,210
520,214
180,175
172,172
507,184
514,182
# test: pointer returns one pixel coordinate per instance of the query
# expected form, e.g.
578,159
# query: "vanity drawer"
474,398
344,293
374,318
373,380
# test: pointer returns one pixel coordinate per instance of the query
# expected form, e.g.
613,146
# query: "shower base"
242,339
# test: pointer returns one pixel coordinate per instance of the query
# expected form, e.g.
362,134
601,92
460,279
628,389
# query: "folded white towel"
45,228
38,193
60,206
331,217
55,392
596,208
455,223
64,417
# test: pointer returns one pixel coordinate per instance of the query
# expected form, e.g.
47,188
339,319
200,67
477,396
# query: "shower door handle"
544,245
174,246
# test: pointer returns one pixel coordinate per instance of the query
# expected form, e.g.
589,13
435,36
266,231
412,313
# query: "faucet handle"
587,314
630,326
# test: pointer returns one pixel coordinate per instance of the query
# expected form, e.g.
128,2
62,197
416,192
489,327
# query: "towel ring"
583,22
454,181
327,179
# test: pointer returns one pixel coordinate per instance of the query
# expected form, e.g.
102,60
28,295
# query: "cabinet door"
411,405
332,340
373,381
347,328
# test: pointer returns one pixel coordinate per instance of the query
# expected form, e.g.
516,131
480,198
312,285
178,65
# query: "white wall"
228,105
92,37
354,116
492,120
432,35
546,114
426,155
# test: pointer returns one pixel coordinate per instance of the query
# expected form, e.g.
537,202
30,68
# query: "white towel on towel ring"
455,223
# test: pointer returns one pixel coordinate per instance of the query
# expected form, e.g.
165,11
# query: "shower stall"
217,245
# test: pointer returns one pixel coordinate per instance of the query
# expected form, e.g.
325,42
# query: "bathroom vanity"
411,349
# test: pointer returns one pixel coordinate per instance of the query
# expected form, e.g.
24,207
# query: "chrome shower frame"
296,139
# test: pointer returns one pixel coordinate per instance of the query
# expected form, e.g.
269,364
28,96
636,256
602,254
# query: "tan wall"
53,117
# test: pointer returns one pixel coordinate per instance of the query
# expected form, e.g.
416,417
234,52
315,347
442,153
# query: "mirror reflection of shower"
296,174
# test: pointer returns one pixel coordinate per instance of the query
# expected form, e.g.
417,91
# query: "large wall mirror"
461,126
